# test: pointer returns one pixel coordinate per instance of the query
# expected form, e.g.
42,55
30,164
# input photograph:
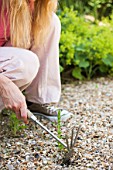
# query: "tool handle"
29,114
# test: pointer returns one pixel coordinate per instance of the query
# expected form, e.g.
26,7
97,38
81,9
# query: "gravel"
91,103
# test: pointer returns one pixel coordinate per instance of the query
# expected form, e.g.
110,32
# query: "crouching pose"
29,57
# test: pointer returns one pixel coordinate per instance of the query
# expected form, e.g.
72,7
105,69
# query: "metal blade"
67,142
72,138
76,136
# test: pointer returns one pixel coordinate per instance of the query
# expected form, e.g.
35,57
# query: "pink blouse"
2,37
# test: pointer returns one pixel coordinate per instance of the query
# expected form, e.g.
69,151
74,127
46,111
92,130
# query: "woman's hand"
13,98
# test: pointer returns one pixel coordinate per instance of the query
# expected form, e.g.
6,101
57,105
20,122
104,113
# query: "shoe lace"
50,107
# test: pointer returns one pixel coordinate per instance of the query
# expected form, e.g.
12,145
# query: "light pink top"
2,38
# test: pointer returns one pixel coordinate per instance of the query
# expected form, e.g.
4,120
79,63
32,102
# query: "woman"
29,38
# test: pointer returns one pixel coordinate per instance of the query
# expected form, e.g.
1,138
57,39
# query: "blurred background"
86,44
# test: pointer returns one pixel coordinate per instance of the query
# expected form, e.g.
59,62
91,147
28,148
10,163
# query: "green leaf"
108,60
103,69
76,73
84,64
80,48
61,69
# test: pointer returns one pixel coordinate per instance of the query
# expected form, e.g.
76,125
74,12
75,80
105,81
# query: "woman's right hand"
13,98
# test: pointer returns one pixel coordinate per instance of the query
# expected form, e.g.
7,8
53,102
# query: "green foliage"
97,8
15,125
85,46
61,69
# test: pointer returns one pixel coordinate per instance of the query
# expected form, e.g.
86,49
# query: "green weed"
59,130
15,125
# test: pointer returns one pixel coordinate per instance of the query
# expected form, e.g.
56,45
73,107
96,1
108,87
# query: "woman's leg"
19,65
46,87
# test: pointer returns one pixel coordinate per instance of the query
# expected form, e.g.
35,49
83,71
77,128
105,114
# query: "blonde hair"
24,25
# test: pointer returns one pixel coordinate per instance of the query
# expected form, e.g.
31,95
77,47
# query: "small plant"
96,86
15,125
59,130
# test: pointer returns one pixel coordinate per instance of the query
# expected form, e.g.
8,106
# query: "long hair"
25,26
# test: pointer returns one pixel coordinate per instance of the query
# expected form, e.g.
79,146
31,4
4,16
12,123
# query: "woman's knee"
19,65
30,67
23,65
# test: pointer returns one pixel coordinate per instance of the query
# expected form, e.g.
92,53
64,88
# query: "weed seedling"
15,125
59,130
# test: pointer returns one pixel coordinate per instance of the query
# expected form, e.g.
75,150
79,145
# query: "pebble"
8,144
44,160
18,143
10,167
30,165
112,123
88,156
32,142
29,158
37,155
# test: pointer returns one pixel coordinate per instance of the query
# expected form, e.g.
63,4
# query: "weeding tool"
70,146
34,118
67,145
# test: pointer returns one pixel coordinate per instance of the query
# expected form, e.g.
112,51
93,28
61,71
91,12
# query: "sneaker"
48,111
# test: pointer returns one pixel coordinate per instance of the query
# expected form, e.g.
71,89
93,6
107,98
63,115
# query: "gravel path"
92,106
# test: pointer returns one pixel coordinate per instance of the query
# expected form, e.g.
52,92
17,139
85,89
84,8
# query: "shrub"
98,8
86,47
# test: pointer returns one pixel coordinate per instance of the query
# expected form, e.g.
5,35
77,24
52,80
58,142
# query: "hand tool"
68,146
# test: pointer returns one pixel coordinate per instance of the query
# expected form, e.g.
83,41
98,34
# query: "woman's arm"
13,98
